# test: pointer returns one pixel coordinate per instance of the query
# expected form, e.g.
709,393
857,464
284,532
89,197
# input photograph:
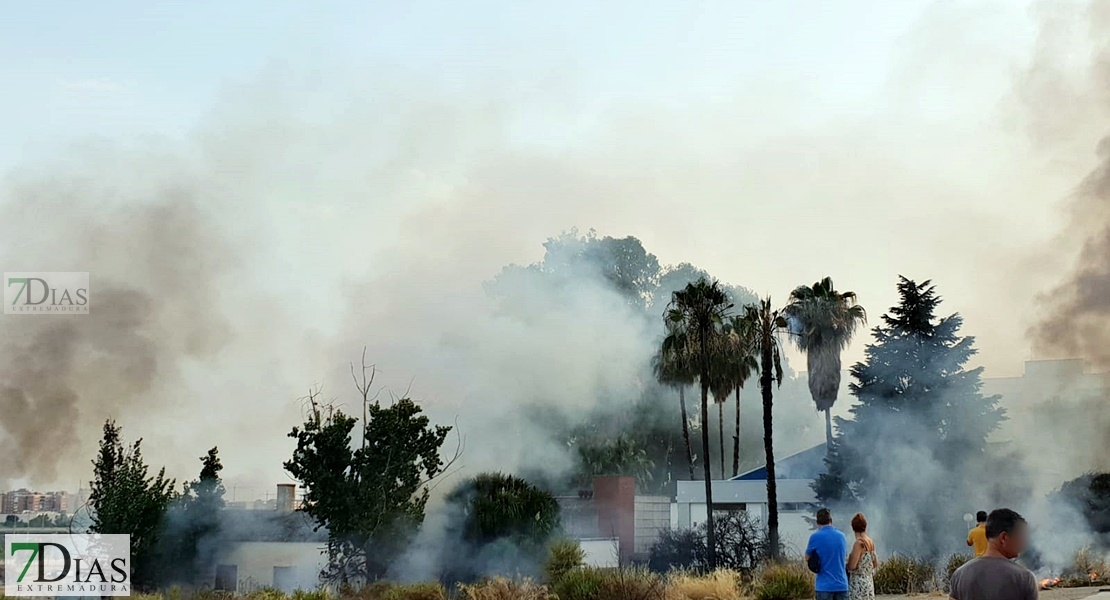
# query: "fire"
1094,576
1047,583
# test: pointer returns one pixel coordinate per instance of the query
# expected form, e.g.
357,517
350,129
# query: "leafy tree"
695,318
916,401
764,325
823,321
370,499
1090,493
622,263
191,524
622,455
499,506
126,500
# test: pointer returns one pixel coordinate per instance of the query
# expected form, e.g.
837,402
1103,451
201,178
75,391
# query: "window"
227,578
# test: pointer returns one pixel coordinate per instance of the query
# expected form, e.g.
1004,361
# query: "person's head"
824,517
981,517
1006,532
859,523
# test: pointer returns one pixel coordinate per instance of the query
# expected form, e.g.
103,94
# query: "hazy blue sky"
348,173
69,69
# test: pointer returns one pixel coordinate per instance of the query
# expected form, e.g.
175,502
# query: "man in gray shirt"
995,575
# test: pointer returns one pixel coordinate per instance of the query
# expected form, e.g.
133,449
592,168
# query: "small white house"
794,475
287,566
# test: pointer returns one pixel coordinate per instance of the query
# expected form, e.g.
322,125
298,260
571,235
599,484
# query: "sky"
352,150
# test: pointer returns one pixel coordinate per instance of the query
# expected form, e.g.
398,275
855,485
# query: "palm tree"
742,364
697,311
673,366
765,325
824,321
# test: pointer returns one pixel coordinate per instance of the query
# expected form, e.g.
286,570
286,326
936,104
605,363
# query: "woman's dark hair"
859,523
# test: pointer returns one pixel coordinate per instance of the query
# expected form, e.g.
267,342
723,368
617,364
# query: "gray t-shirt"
993,578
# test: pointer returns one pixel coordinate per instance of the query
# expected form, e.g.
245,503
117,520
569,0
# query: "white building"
794,475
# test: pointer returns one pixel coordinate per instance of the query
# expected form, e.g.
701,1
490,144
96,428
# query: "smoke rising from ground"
311,215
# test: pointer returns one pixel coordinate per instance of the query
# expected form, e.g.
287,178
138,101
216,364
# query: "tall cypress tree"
917,442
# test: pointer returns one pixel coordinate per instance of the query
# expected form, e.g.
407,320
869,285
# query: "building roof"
807,464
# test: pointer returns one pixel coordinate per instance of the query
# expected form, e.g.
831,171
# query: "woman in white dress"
862,562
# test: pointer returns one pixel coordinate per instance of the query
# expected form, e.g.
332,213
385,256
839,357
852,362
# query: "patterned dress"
861,582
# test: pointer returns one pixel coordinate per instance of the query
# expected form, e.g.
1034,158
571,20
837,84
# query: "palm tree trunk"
686,431
710,532
769,449
736,438
828,430
710,529
721,435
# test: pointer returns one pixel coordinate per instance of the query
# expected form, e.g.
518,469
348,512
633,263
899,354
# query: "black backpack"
814,562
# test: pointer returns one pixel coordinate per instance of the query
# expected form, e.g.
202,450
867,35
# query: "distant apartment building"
25,501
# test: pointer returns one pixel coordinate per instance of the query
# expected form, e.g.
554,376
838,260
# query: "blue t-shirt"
832,548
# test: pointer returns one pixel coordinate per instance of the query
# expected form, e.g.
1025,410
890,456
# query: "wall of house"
298,565
601,552
653,514
794,530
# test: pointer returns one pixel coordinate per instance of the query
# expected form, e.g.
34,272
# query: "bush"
905,575
788,580
683,549
500,588
610,584
579,584
718,585
563,556
954,562
741,545
273,594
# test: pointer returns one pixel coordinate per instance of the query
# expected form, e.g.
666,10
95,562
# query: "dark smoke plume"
153,270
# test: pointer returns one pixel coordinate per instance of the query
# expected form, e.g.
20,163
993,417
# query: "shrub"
718,585
500,588
580,584
610,584
562,557
267,593
787,580
273,594
905,575
741,545
954,562
632,584
683,549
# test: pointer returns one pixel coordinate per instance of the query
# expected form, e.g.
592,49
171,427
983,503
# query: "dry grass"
788,580
718,585
500,588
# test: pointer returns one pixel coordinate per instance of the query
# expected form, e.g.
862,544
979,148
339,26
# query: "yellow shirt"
977,538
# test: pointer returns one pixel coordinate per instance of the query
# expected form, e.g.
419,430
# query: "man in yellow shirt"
977,537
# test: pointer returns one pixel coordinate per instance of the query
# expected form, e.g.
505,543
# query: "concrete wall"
794,530
602,553
653,514
299,565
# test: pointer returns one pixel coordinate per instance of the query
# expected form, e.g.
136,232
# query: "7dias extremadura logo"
46,293
67,565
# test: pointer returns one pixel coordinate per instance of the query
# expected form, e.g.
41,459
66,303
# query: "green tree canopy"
371,498
126,500
918,436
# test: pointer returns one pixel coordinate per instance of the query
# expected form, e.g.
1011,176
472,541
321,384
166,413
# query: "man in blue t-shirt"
832,550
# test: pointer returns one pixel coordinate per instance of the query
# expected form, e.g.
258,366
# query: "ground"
1057,594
